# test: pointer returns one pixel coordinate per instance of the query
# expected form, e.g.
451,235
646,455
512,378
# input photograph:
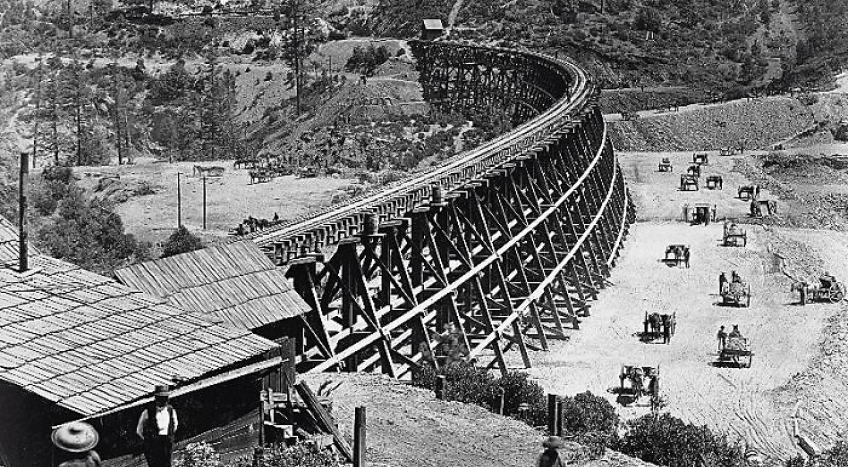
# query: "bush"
181,241
669,441
586,413
199,455
300,455
837,456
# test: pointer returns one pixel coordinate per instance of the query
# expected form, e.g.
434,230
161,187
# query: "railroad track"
331,225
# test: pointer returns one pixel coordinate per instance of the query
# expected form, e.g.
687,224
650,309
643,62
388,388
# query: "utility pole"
23,255
204,202
296,45
179,201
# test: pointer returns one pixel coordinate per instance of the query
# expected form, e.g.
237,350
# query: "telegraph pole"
23,255
179,201
204,202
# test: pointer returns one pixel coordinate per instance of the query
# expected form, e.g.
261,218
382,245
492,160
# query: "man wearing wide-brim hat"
156,427
76,442
550,457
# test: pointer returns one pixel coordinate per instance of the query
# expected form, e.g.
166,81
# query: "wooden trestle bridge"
509,241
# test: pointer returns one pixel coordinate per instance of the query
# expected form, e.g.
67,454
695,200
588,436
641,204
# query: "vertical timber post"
552,413
179,201
23,255
359,445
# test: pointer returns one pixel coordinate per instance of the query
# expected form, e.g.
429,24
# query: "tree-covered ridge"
824,50
721,45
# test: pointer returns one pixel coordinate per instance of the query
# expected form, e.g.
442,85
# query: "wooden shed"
234,284
431,29
74,344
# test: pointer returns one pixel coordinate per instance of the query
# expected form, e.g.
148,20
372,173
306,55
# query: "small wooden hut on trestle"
431,29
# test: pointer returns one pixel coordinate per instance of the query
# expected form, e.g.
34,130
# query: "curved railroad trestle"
504,246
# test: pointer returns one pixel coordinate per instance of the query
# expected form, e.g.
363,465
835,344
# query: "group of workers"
75,441
722,280
723,336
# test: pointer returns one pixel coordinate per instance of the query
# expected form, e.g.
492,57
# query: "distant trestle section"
503,247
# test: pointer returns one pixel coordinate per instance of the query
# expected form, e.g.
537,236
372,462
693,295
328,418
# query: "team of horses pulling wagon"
829,290
658,325
637,381
734,235
736,292
736,350
665,165
715,182
677,255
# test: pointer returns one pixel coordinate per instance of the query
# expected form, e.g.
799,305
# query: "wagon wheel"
836,292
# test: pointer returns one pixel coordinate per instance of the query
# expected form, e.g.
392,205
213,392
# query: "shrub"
199,455
586,413
181,241
464,382
837,456
669,441
300,455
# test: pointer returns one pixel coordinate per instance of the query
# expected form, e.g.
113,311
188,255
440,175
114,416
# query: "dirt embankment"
407,426
757,124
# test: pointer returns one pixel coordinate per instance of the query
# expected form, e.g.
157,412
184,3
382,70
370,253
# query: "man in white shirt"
156,427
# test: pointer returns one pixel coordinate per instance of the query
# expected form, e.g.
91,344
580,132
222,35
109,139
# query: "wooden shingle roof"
233,283
9,242
88,343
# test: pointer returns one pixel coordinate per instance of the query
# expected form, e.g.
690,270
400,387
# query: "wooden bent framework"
504,246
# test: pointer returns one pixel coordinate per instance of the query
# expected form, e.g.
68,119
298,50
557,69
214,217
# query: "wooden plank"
323,418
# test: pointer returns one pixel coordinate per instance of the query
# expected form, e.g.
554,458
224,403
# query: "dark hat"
75,437
162,390
553,442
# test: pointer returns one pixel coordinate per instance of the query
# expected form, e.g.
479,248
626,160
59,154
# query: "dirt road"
753,405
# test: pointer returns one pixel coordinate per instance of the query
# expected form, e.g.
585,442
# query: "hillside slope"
407,426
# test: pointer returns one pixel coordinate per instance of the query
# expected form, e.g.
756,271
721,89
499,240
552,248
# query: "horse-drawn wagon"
701,159
637,381
658,325
734,235
677,255
665,165
748,192
629,116
737,350
829,290
715,182
763,207
688,182
736,292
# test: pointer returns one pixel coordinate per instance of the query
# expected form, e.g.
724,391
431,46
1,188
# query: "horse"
215,171
655,321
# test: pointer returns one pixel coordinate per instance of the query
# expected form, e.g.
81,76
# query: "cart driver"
735,332
826,280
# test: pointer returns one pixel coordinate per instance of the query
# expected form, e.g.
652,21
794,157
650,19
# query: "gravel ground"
798,367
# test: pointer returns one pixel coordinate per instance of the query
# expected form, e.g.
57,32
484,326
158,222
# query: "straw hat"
162,390
553,442
75,437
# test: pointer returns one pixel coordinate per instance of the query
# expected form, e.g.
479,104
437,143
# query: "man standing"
722,338
722,279
550,456
156,427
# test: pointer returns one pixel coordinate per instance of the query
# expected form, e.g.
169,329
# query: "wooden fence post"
359,426
440,387
552,413
558,422
501,397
